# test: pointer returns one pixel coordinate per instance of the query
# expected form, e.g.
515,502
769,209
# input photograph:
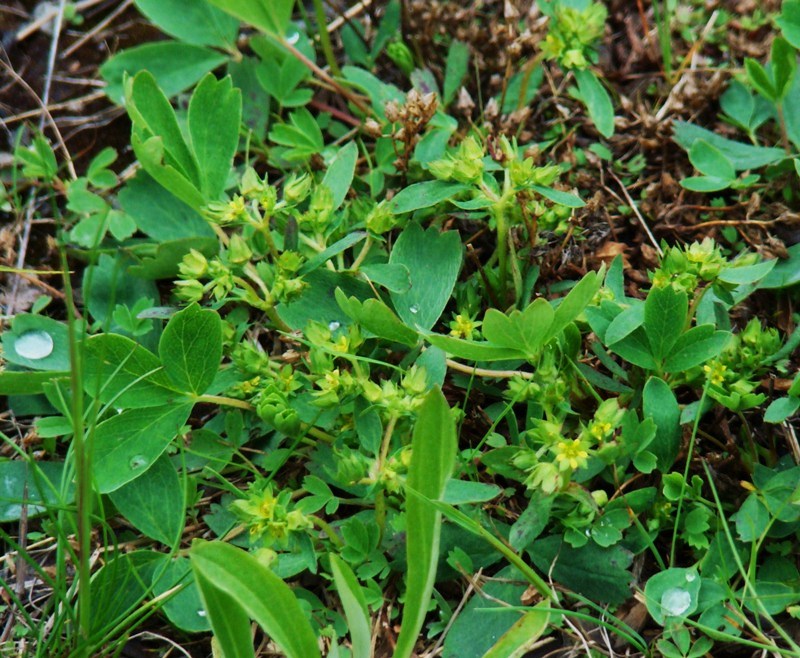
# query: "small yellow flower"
715,372
463,326
600,430
571,454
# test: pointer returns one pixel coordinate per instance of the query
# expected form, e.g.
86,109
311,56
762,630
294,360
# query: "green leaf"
748,274
433,260
127,444
474,350
252,587
229,622
354,237
153,502
761,80
117,370
111,283
624,324
318,300
165,262
395,278
743,156
526,330
455,69
27,383
520,639
789,22
432,459
377,318
659,403
215,115
577,568
37,342
786,272
175,66
532,522
460,492
36,483
780,409
153,117
159,213
559,197
339,176
665,311
195,22
672,593
575,302
191,348
183,608
425,195
270,16
784,65
695,347
706,183
354,605
302,136
710,161
597,101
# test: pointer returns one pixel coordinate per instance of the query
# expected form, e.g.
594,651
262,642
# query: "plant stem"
325,38
82,450
328,530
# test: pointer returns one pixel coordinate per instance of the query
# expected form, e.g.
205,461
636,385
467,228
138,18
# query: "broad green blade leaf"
425,195
518,640
215,115
624,324
461,492
710,161
472,350
229,621
156,162
743,156
318,300
355,607
191,348
432,459
257,591
118,370
748,274
597,101
706,183
433,260
126,445
575,302
195,22
780,409
760,80
635,349
783,61
659,403
665,311
695,347
340,173
270,16
455,69
27,383
153,502
153,116
175,66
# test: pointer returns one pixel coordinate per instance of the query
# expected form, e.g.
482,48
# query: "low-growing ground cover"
401,329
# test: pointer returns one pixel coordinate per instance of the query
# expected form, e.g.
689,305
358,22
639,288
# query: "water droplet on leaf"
675,601
414,309
690,577
34,344
201,613
293,38
334,325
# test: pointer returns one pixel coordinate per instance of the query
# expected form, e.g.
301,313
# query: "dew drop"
414,309
201,613
334,325
675,601
34,345
137,462
690,577
293,38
